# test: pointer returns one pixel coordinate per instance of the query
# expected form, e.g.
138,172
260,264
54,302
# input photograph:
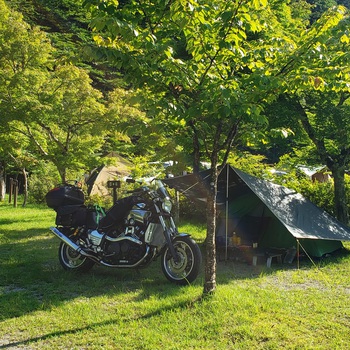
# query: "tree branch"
38,145
229,140
319,143
212,59
51,134
344,95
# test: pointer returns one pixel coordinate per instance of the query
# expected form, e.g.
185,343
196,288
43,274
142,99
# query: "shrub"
38,186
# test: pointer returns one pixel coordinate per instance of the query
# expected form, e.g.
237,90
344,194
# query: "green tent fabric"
260,211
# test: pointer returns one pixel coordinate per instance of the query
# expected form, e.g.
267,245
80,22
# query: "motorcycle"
135,231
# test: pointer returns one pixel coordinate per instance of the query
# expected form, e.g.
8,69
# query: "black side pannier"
71,215
64,195
79,215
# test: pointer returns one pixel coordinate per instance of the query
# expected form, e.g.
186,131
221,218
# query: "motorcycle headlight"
167,205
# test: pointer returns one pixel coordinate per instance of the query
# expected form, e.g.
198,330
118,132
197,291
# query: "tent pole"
226,214
298,251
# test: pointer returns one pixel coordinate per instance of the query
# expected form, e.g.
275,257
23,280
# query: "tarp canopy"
263,212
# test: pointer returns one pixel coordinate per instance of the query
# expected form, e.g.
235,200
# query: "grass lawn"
44,307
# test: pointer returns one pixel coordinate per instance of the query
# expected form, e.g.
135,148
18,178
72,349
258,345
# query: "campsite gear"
262,212
132,233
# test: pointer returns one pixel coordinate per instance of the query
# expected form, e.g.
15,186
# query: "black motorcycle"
131,234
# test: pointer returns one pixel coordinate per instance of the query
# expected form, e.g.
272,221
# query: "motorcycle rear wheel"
187,268
72,260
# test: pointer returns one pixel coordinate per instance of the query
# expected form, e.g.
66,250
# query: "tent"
262,212
97,180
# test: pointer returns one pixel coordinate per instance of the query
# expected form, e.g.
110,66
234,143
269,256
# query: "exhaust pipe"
70,243
79,250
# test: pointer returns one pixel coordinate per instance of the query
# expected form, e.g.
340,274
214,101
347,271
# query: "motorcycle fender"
183,235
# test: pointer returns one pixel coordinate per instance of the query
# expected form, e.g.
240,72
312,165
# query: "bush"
102,201
38,188
190,210
320,193
40,182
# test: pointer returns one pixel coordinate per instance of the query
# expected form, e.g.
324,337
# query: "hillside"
66,23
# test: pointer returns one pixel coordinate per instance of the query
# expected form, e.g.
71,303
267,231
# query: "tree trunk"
210,253
340,198
338,171
2,183
25,187
63,174
196,148
196,163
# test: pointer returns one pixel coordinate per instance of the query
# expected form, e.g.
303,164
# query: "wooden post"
15,192
115,197
177,206
114,185
10,192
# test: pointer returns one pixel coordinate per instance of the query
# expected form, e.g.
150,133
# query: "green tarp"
271,215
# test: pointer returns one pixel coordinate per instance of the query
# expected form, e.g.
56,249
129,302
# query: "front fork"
167,234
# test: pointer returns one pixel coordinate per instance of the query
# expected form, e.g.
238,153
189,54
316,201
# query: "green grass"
44,307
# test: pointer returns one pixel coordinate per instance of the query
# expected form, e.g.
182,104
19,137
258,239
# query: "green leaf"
226,16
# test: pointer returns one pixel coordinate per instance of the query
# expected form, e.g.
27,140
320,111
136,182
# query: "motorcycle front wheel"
72,260
187,268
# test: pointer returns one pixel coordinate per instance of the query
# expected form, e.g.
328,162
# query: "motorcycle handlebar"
70,183
139,190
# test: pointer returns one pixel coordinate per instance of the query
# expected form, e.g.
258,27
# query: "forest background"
64,106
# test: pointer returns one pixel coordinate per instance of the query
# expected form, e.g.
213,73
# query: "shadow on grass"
32,279
109,282
231,269
173,307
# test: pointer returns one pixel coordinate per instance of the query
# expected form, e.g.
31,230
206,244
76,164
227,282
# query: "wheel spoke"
72,260
182,268
186,268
